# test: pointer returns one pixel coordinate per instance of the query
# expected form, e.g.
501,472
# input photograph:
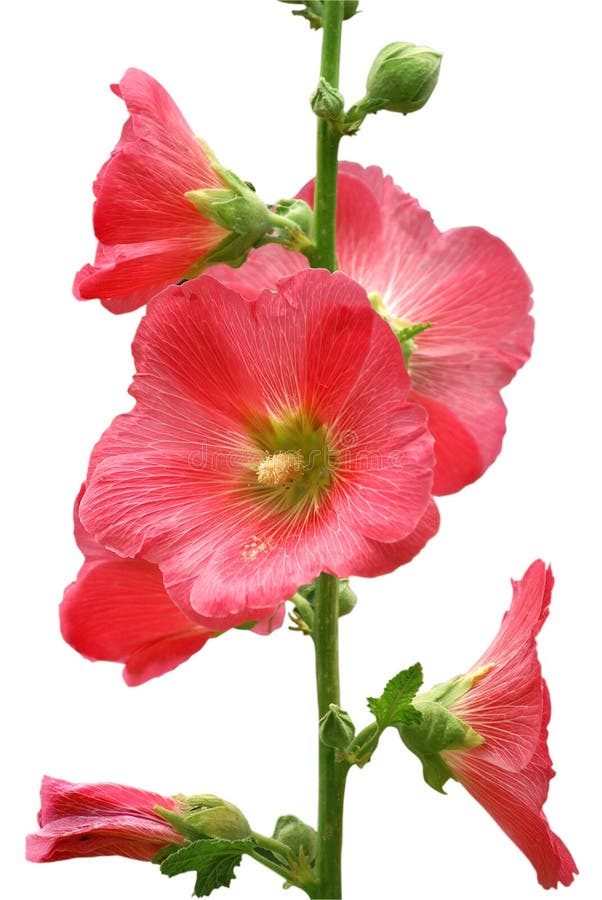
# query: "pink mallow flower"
150,233
118,610
464,283
100,820
488,730
271,440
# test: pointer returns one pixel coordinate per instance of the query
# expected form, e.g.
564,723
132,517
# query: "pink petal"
119,611
263,269
515,800
131,836
63,798
121,273
506,705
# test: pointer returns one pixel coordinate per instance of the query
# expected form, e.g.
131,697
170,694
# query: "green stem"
331,789
325,202
331,773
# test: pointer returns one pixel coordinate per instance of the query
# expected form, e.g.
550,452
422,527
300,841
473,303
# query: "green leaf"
394,706
214,862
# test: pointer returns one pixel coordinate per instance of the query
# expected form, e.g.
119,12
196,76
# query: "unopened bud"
336,728
347,598
296,835
298,212
403,77
327,102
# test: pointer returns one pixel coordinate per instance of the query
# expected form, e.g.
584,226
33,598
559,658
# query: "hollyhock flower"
270,441
489,728
465,284
118,610
100,820
150,233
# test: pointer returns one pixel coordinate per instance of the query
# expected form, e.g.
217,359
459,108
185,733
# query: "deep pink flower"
465,282
118,610
270,441
99,820
149,233
508,705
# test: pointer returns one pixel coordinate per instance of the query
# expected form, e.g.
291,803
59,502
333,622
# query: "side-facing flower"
150,233
488,730
118,610
100,820
464,284
271,440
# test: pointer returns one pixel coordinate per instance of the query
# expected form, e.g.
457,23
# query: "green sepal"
409,332
240,211
213,860
436,730
394,706
297,836
336,728
435,772
448,692
207,816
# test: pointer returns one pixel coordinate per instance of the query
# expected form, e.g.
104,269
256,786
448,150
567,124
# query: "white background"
508,142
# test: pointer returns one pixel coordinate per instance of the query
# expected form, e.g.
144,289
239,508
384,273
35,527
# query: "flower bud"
403,77
327,102
294,833
208,816
347,598
298,212
336,728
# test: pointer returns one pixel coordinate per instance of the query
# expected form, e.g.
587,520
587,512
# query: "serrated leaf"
394,707
214,862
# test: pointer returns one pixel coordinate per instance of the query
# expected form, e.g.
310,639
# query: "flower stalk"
332,774
325,255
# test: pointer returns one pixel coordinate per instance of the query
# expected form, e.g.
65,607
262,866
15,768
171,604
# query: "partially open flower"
458,300
100,820
164,205
496,726
270,441
118,610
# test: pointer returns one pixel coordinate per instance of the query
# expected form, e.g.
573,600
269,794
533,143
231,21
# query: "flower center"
297,467
404,331
279,469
